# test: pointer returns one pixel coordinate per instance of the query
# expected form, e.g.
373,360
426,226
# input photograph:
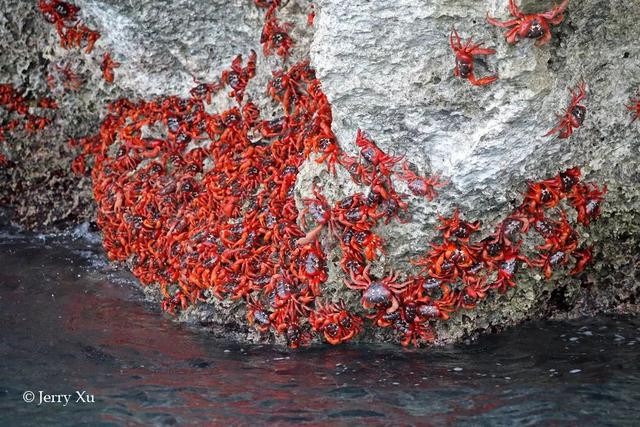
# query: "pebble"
575,371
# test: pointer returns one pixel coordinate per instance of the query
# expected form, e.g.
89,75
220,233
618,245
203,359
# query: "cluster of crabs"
526,26
203,205
74,33
22,114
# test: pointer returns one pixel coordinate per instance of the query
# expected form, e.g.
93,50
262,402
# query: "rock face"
387,69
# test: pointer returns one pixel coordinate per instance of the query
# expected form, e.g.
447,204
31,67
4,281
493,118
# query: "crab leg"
505,24
555,14
513,8
483,81
457,45
477,51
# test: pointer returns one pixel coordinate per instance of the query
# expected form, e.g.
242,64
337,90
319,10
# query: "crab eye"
579,112
62,9
346,322
233,79
461,232
535,31
278,38
332,329
545,195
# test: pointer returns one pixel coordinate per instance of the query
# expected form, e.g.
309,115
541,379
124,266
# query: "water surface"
72,323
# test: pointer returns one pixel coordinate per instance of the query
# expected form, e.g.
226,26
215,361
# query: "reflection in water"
70,321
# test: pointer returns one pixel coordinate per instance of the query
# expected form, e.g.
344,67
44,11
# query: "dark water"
70,323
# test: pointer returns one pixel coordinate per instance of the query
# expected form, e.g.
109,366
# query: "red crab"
310,266
238,76
275,36
170,303
540,196
56,11
267,3
335,322
465,57
586,199
48,103
457,228
549,261
574,115
320,211
381,161
634,107
535,26
204,91
107,67
583,258
420,186
258,315
382,294
70,79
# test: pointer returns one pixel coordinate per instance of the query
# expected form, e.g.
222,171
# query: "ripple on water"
72,321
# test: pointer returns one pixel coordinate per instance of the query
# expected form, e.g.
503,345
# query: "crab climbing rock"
465,57
573,116
634,107
534,26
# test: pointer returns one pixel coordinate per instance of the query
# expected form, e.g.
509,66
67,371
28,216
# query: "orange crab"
465,59
534,26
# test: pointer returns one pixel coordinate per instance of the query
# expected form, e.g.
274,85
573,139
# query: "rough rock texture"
162,47
387,69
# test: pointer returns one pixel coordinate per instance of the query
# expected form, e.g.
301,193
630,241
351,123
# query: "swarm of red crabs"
74,33
71,30
21,115
203,205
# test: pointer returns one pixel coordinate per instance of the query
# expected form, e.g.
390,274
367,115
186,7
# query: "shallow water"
73,323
